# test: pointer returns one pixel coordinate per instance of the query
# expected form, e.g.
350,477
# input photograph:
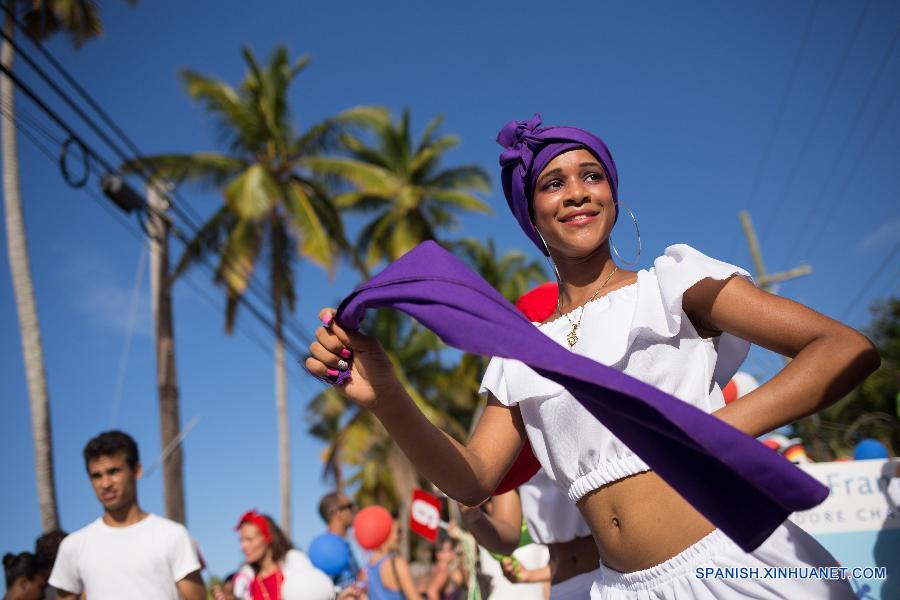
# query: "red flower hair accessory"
254,518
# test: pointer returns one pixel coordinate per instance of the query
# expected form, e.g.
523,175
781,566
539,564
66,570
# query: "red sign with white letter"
425,515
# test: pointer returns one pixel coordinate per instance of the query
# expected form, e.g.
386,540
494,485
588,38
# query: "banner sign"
859,522
425,515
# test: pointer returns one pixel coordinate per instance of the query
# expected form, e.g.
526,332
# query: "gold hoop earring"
637,231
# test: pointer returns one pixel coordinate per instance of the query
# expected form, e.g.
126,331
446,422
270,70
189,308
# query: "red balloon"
372,526
539,303
773,444
730,392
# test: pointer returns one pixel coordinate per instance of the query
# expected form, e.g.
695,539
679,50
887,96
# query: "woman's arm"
439,578
829,358
404,578
466,473
499,531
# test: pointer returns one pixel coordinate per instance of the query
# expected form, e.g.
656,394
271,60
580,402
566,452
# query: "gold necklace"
572,336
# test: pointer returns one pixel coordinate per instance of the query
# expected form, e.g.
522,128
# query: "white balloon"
307,584
745,383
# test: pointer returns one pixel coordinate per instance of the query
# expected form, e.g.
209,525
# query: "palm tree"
444,386
381,472
400,183
272,209
511,274
81,21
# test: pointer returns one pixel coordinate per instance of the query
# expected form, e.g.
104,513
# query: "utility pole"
769,282
766,281
158,227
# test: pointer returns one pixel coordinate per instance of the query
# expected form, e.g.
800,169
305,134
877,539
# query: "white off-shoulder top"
639,329
550,515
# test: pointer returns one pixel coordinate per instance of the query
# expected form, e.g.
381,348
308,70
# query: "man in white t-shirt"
126,553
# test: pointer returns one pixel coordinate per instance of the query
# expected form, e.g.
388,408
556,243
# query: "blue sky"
708,107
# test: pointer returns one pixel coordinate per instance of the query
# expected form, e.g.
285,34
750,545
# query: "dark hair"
280,541
328,504
111,443
23,564
46,547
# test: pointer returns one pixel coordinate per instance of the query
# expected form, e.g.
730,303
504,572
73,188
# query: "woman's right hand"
372,375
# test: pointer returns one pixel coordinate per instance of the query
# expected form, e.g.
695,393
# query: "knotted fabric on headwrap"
744,488
254,518
529,147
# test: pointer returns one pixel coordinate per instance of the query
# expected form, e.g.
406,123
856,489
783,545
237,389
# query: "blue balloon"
868,449
330,553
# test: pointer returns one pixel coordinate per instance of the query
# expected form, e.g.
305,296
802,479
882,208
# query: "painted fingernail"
327,319
345,353
332,372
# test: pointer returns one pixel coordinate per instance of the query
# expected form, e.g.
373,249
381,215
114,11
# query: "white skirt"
715,568
575,588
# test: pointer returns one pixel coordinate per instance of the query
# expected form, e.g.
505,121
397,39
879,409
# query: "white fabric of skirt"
686,576
575,588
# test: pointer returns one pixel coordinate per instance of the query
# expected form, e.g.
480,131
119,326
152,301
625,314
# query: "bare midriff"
568,559
639,522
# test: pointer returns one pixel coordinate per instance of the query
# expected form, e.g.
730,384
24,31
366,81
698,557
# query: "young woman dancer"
682,326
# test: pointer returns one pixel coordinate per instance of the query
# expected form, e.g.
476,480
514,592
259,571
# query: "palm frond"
208,169
252,194
459,201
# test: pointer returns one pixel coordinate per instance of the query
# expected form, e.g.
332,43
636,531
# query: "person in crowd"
552,520
683,326
26,578
338,510
448,574
274,569
46,547
224,590
387,575
126,552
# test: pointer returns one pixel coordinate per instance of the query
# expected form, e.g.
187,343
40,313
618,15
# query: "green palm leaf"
252,194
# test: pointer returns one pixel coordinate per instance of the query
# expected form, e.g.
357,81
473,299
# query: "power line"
304,336
88,149
141,238
851,168
875,275
779,114
794,169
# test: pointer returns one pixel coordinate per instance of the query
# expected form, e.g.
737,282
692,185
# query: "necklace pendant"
572,338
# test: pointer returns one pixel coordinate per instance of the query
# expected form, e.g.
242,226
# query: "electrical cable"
779,114
304,336
794,169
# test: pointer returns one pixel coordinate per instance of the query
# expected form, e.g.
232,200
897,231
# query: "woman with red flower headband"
275,570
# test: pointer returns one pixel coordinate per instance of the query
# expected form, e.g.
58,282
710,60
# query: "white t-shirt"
639,329
140,561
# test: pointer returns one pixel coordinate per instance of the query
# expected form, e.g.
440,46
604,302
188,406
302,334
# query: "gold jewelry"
572,336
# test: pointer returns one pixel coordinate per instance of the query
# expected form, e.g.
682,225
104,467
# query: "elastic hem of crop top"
608,472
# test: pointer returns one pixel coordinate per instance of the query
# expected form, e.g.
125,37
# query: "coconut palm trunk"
281,409
23,289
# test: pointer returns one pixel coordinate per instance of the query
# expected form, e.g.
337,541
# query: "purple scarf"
743,487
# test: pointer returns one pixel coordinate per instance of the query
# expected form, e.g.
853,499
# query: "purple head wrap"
529,147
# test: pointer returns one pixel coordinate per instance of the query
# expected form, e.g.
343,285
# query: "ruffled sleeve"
512,381
494,381
677,271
